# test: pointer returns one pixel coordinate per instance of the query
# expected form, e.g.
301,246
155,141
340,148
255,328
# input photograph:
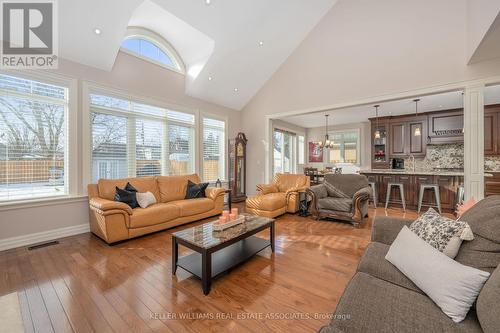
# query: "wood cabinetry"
446,126
403,138
448,188
491,184
492,130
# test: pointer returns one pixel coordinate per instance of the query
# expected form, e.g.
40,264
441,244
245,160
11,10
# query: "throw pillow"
145,199
333,191
465,206
443,233
130,188
128,197
196,190
452,286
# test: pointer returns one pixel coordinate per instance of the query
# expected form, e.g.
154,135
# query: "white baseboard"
44,236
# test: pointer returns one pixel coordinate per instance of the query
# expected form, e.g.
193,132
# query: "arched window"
151,47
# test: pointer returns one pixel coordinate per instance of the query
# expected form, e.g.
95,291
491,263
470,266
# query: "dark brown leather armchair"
343,197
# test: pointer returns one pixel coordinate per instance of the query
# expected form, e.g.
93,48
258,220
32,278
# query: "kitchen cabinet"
446,126
491,130
380,146
403,138
492,184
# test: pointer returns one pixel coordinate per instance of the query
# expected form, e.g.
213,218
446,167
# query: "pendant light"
417,131
377,130
326,143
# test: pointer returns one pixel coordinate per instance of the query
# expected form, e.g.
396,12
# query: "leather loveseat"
279,197
115,221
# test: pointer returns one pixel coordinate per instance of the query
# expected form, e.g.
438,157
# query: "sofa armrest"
267,188
296,189
363,193
214,192
386,228
104,205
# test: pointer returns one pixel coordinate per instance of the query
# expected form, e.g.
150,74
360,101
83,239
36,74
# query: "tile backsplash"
449,156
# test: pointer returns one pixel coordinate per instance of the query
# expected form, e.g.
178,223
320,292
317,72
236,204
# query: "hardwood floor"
84,285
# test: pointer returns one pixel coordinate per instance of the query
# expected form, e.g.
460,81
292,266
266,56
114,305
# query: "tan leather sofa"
279,197
115,221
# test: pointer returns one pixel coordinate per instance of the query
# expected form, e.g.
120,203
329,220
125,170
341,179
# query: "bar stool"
374,193
424,187
401,192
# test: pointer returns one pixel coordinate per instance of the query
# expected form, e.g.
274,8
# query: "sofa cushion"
154,214
484,251
193,206
487,307
174,187
142,184
375,305
373,262
268,202
338,204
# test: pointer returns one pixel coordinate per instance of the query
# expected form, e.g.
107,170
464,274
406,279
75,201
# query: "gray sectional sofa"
380,298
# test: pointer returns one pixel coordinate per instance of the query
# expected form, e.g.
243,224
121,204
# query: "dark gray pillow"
195,190
128,197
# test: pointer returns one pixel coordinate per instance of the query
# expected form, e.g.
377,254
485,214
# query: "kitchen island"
448,180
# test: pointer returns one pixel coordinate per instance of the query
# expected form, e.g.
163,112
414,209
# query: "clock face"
239,150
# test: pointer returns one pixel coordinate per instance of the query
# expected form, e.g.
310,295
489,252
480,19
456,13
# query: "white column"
474,141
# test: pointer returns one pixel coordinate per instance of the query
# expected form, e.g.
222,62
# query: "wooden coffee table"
218,251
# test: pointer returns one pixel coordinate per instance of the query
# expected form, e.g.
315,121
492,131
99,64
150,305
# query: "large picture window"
346,145
283,152
32,139
214,165
134,139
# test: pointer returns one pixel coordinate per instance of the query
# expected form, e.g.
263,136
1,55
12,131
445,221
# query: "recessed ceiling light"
440,106
210,78
97,31
261,43
235,89
208,2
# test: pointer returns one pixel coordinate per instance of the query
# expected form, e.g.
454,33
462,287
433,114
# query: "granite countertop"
419,172
416,172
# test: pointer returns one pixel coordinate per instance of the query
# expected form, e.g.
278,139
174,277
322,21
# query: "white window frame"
294,157
89,88
200,143
160,42
71,165
358,148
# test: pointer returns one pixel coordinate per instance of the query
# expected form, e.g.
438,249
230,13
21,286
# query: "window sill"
22,204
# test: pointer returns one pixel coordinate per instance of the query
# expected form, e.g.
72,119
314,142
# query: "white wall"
130,75
364,49
318,133
480,16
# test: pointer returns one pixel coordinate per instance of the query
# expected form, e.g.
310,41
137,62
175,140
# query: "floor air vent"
34,247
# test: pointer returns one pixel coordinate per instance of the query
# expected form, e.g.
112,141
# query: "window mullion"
131,147
165,144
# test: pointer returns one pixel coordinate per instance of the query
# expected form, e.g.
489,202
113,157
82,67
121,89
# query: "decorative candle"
233,216
225,213
234,211
222,219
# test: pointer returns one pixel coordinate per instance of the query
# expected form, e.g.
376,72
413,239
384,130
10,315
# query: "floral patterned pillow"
443,233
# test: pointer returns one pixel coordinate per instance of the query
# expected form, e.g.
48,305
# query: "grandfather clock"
237,167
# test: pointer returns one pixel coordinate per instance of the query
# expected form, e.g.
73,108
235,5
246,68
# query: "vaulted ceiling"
226,35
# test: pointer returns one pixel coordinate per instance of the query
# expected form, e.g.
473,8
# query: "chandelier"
326,143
